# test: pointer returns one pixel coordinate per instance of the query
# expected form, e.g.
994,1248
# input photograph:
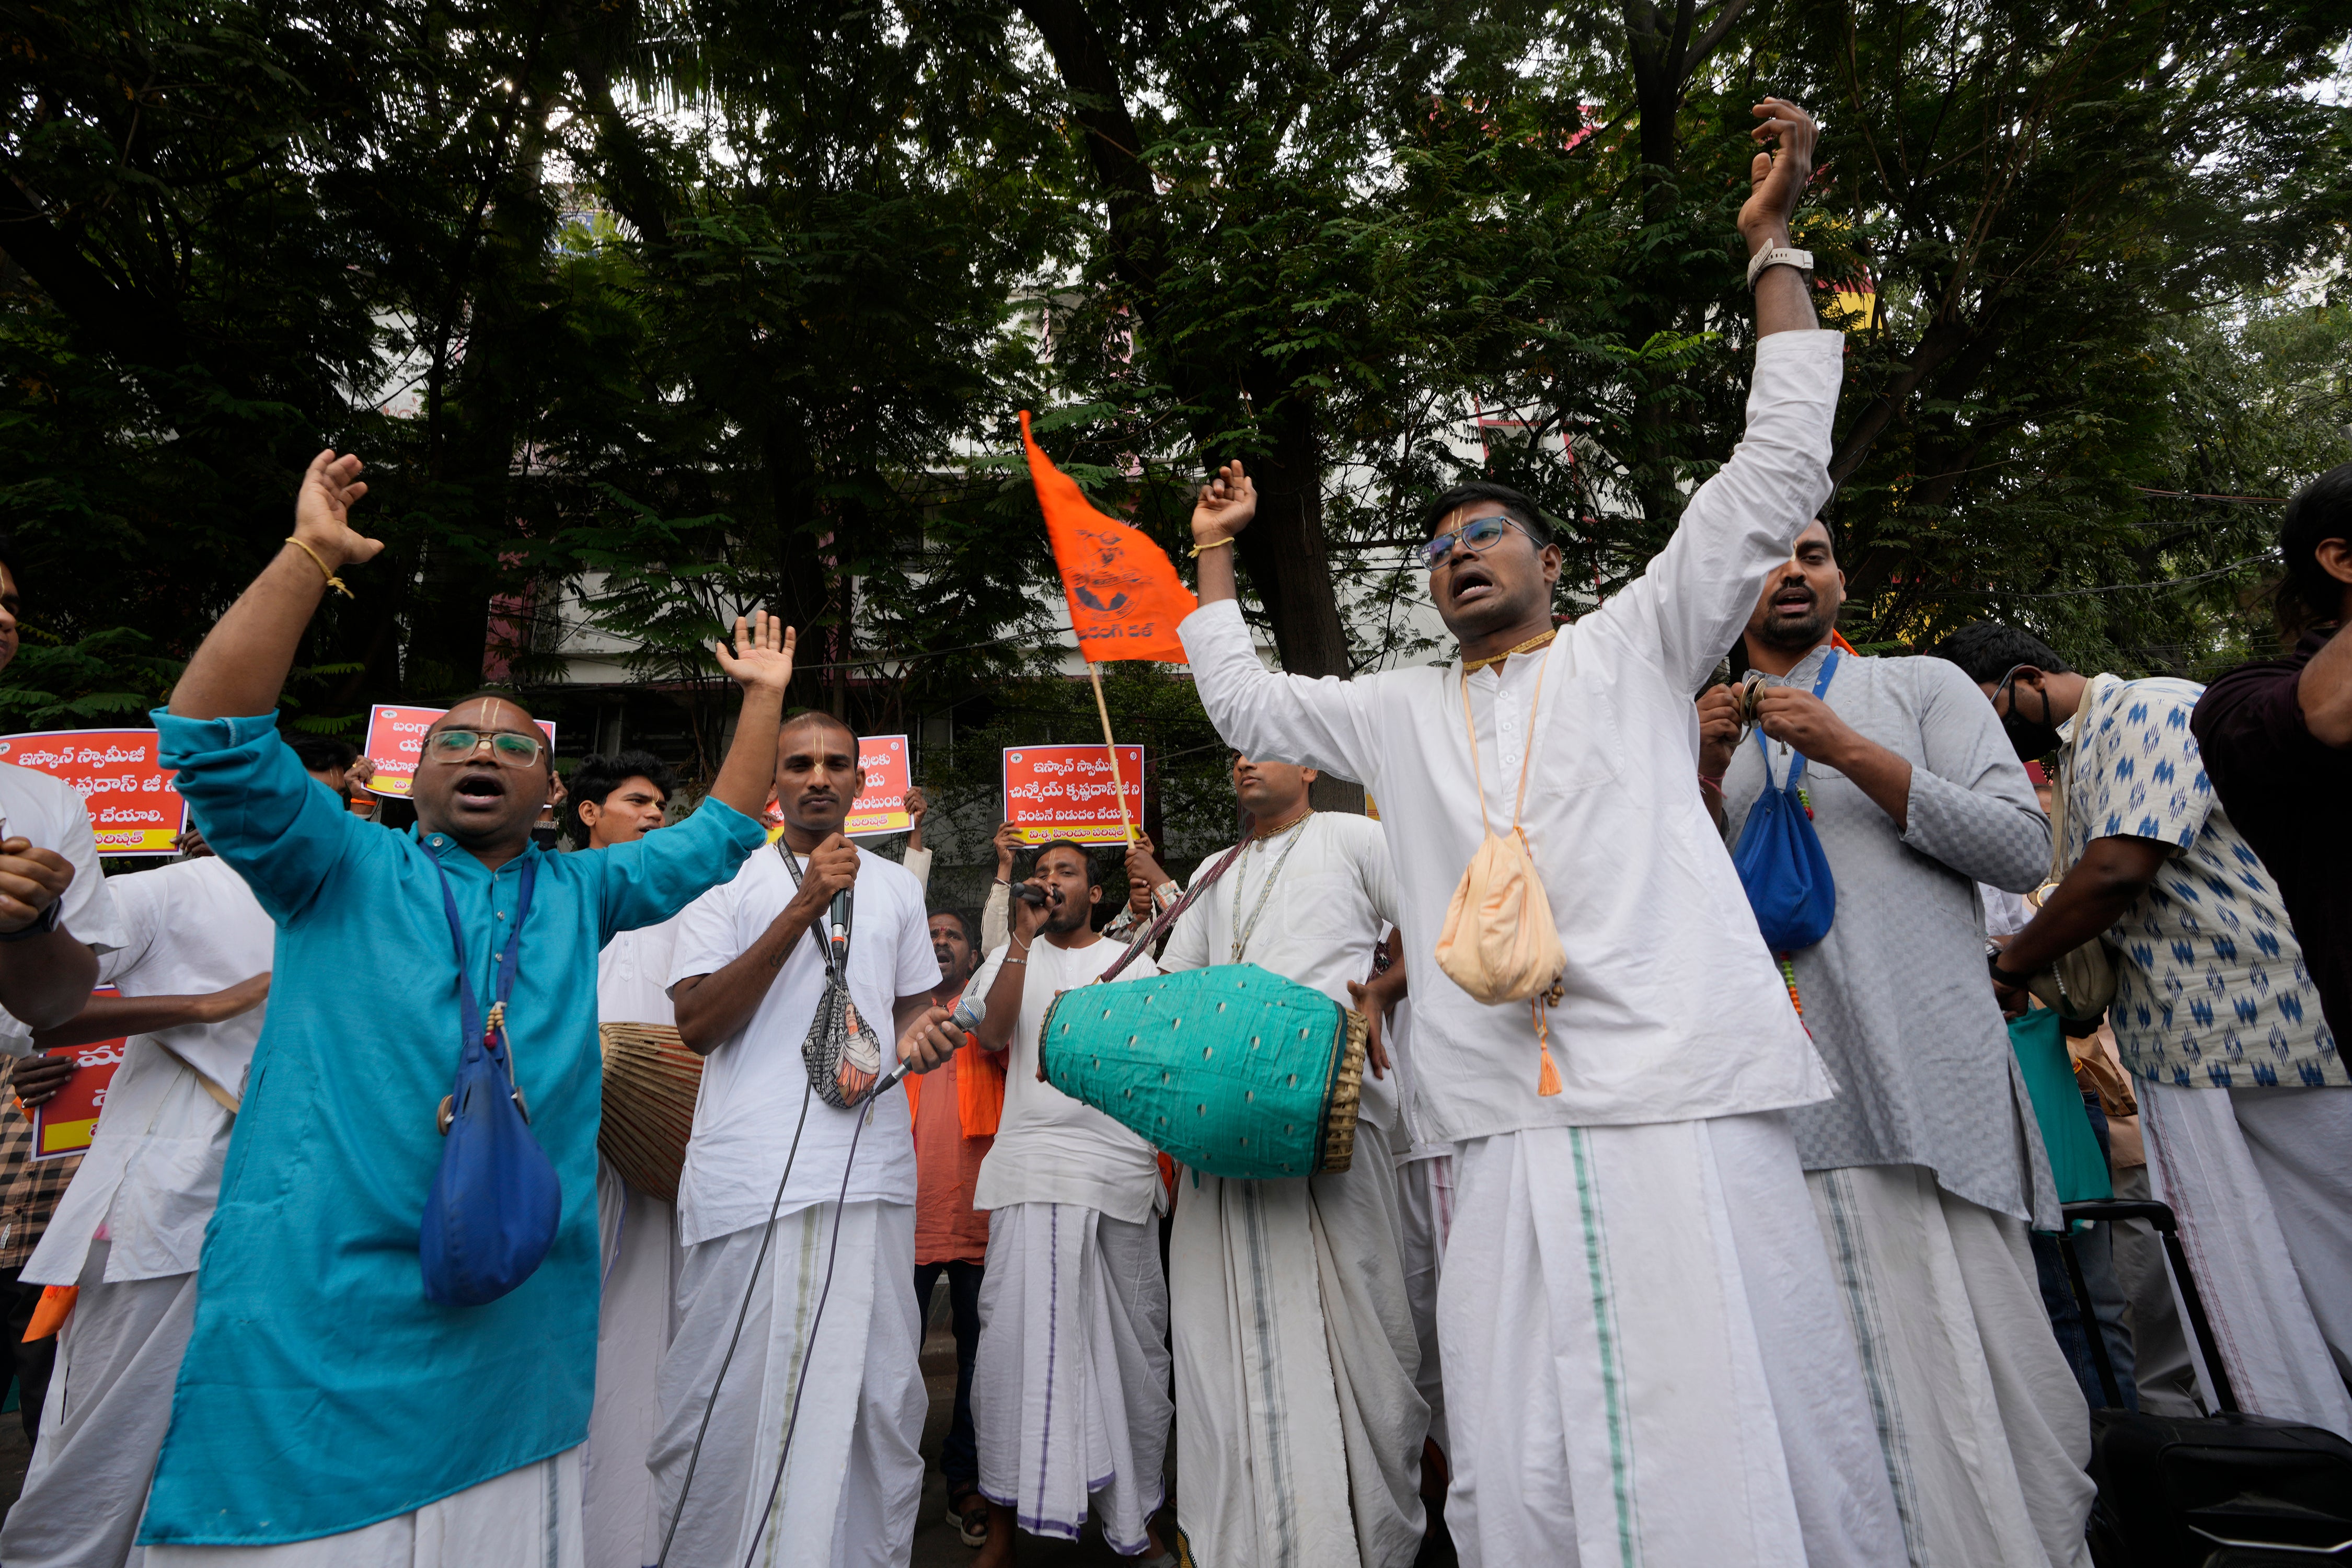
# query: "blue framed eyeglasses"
1477,536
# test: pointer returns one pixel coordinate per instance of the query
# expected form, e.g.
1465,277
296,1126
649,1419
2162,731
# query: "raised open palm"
762,655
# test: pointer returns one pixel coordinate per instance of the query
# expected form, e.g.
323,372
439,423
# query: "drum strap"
1169,916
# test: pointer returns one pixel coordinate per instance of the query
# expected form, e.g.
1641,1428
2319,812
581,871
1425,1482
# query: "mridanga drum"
1233,1069
651,1081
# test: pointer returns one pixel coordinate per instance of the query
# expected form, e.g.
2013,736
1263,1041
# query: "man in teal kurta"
322,1393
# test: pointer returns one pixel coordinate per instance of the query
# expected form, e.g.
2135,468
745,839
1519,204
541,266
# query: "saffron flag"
1125,596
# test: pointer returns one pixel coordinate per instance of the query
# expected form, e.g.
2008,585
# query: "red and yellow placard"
133,807
1070,792
66,1123
396,740
881,806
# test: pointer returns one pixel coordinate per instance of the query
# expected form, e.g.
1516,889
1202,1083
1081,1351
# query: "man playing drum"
1298,1427
1070,1392
751,977
612,800
329,1410
1645,1359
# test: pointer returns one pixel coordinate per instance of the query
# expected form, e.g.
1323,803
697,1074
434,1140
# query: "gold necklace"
1527,647
1284,826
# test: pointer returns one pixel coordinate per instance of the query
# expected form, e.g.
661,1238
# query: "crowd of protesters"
1716,1124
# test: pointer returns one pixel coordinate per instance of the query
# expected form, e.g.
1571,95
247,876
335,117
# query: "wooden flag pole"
1117,786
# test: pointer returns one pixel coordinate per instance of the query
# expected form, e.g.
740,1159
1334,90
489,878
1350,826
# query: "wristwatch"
2007,979
1777,256
43,924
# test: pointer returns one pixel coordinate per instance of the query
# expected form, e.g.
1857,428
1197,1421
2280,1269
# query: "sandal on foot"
970,1519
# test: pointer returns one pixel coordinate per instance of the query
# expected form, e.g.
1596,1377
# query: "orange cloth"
49,1314
948,1230
1125,596
1837,641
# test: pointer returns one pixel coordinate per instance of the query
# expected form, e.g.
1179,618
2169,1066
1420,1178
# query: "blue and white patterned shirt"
2211,991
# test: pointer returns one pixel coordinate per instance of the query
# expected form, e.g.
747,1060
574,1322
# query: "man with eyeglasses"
1635,1290
329,1410
2241,1085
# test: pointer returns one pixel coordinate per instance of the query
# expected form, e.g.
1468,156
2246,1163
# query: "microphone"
838,918
968,1011
1029,893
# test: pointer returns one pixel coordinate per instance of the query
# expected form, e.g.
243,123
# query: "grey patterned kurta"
1896,994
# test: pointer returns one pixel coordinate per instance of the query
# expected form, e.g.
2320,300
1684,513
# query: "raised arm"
240,668
761,664
1691,602
1289,718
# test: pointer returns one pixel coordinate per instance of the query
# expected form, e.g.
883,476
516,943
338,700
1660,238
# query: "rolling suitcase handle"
2159,1216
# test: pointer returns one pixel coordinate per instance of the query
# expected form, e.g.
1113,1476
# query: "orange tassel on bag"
1547,1077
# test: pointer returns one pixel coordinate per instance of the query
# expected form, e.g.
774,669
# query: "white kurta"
149,1184
1653,1347
638,1311
1642,893
1298,1426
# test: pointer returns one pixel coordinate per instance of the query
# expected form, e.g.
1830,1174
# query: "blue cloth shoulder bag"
495,1202
1780,859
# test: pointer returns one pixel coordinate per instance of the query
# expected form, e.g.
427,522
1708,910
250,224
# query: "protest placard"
396,740
65,1122
133,807
1065,792
881,806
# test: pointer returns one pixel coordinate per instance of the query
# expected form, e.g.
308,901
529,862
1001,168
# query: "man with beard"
328,1409
615,800
794,1213
1069,1395
955,1112
2241,1086
1635,1292
1298,1429
1926,1169
193,974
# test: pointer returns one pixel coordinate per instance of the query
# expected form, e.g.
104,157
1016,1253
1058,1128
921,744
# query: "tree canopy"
643,310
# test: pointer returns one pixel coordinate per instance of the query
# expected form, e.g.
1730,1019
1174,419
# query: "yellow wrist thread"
333,581
1199,550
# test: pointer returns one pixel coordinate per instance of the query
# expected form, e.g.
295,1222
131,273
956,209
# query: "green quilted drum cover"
1233,1069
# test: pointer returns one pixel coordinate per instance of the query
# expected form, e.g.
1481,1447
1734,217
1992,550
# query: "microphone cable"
808,1356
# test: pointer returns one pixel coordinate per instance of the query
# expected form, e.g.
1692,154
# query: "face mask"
2032,738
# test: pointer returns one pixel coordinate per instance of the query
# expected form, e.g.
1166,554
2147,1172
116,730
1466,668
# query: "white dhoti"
1645,1359
636,1317
1426,1207
527,1517
1298,1429
1069,1389
2260,1182
103,1426
1984,1428
854,1475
